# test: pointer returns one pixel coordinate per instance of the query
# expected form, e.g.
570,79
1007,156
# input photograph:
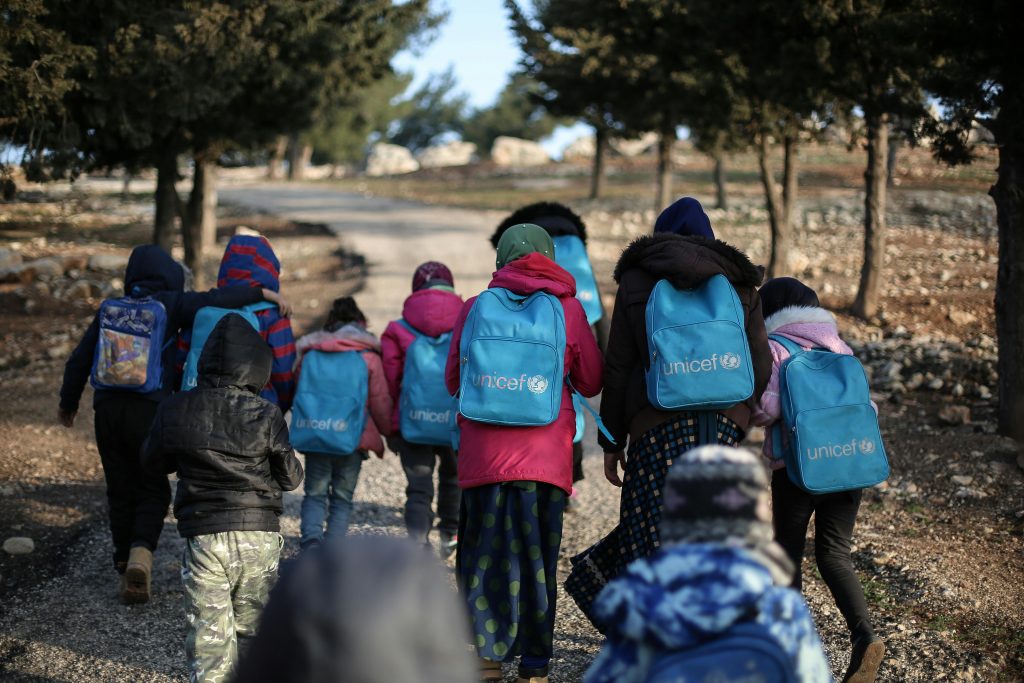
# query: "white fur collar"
798,314
351,331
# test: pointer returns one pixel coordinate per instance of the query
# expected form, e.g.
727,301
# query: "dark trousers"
137,499
418,461
577,462
834,517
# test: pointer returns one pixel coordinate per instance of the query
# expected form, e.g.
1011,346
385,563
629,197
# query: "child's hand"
612,462
66,417
282,304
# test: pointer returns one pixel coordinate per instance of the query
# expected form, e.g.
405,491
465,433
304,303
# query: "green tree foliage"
517,112
434,110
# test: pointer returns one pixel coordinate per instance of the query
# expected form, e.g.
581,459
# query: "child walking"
516,479
332,466
431,311
231,451
791,310
137,499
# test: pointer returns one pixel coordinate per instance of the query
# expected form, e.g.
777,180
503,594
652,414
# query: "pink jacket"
431,311
490,454
378,402
808,327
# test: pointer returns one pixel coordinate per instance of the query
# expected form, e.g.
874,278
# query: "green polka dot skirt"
509,536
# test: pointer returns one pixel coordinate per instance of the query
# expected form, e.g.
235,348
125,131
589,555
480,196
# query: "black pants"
834,517
138,500
577,462
418,461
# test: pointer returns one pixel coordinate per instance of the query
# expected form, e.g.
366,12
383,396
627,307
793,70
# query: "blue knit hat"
685,217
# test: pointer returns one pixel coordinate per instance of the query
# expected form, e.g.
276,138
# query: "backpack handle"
593,413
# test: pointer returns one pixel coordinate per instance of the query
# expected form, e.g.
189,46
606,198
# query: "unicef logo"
730,361
867,446
339,425
537,384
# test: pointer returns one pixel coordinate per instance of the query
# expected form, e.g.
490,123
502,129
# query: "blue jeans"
330,482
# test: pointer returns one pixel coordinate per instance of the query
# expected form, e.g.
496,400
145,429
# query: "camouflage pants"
227,577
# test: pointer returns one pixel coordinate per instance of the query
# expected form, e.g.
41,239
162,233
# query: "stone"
984,392
81,290
962,480
9,259
955,415
386,159
798,261
509,152
937,384
961,318
19,545
46,269
582,148
75,262
111,263
634,147
455,153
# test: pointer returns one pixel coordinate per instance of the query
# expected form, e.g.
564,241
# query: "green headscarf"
523,239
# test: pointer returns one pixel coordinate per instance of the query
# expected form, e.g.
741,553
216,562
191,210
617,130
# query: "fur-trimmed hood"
687,261
809,326
797,315
350,337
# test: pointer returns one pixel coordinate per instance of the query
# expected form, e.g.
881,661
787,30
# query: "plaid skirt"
636,535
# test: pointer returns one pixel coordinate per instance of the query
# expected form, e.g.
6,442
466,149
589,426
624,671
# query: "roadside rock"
961,318
512,152
388,159
113,263
9,259
456,153
581,149
19,545
955,415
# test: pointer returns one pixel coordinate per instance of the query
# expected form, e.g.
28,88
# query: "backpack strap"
261,306
413,330
593,413
791,346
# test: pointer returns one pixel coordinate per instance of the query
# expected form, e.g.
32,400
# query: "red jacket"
431,311
378,401
488,453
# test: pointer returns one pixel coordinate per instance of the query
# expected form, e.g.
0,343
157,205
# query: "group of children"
489,392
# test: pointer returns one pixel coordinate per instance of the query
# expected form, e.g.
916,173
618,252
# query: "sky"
477,42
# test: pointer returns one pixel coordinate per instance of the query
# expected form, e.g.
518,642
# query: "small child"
791,309
431,310
331,477
231,451
717,570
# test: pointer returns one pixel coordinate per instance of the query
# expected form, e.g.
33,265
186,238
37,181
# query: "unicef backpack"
832,441
697,345
426,411
746,652
512,354
129,351
571,254
206,319
329,411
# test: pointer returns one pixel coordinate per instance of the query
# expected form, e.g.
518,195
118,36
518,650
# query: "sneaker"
449,543
136,578
865,658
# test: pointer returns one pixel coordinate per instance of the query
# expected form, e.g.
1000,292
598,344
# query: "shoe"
135,589
448,546
533,679
533,675
489,670
865,658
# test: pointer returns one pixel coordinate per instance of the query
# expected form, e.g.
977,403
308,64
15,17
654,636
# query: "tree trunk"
126,186
1008,193
779,260
274,167
208,222
890,161
664,196
199,220
721,200
166,199
299,154
869,295
597,174
790,182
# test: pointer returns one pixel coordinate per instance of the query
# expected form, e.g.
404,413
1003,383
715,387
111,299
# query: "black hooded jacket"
557,219
151,271
229,446
686,262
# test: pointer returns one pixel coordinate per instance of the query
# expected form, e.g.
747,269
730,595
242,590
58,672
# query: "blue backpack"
129,351
571,254
426,410
206,319
697,345
329,412
512,354
832,441
746,652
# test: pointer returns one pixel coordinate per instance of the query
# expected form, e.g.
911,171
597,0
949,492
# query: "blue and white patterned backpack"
129,351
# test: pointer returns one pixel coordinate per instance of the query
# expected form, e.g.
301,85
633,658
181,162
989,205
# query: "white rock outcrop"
512,152
386,159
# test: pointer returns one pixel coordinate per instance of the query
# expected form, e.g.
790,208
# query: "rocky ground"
938,546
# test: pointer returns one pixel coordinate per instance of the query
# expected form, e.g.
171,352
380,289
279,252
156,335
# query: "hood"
683,595
235,355
687,261
249,261
533,273
350,337
432,311
808,327
557,219
152,269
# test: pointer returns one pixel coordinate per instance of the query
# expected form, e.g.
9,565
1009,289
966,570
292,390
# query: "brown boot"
489,670
534,679
135,589
865,659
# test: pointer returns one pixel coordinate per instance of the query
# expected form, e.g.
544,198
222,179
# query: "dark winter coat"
229,446
151,272
686,262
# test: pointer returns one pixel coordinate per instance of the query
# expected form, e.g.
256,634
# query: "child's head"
432,274
557,219
344,311
785,292
685,217
523,240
